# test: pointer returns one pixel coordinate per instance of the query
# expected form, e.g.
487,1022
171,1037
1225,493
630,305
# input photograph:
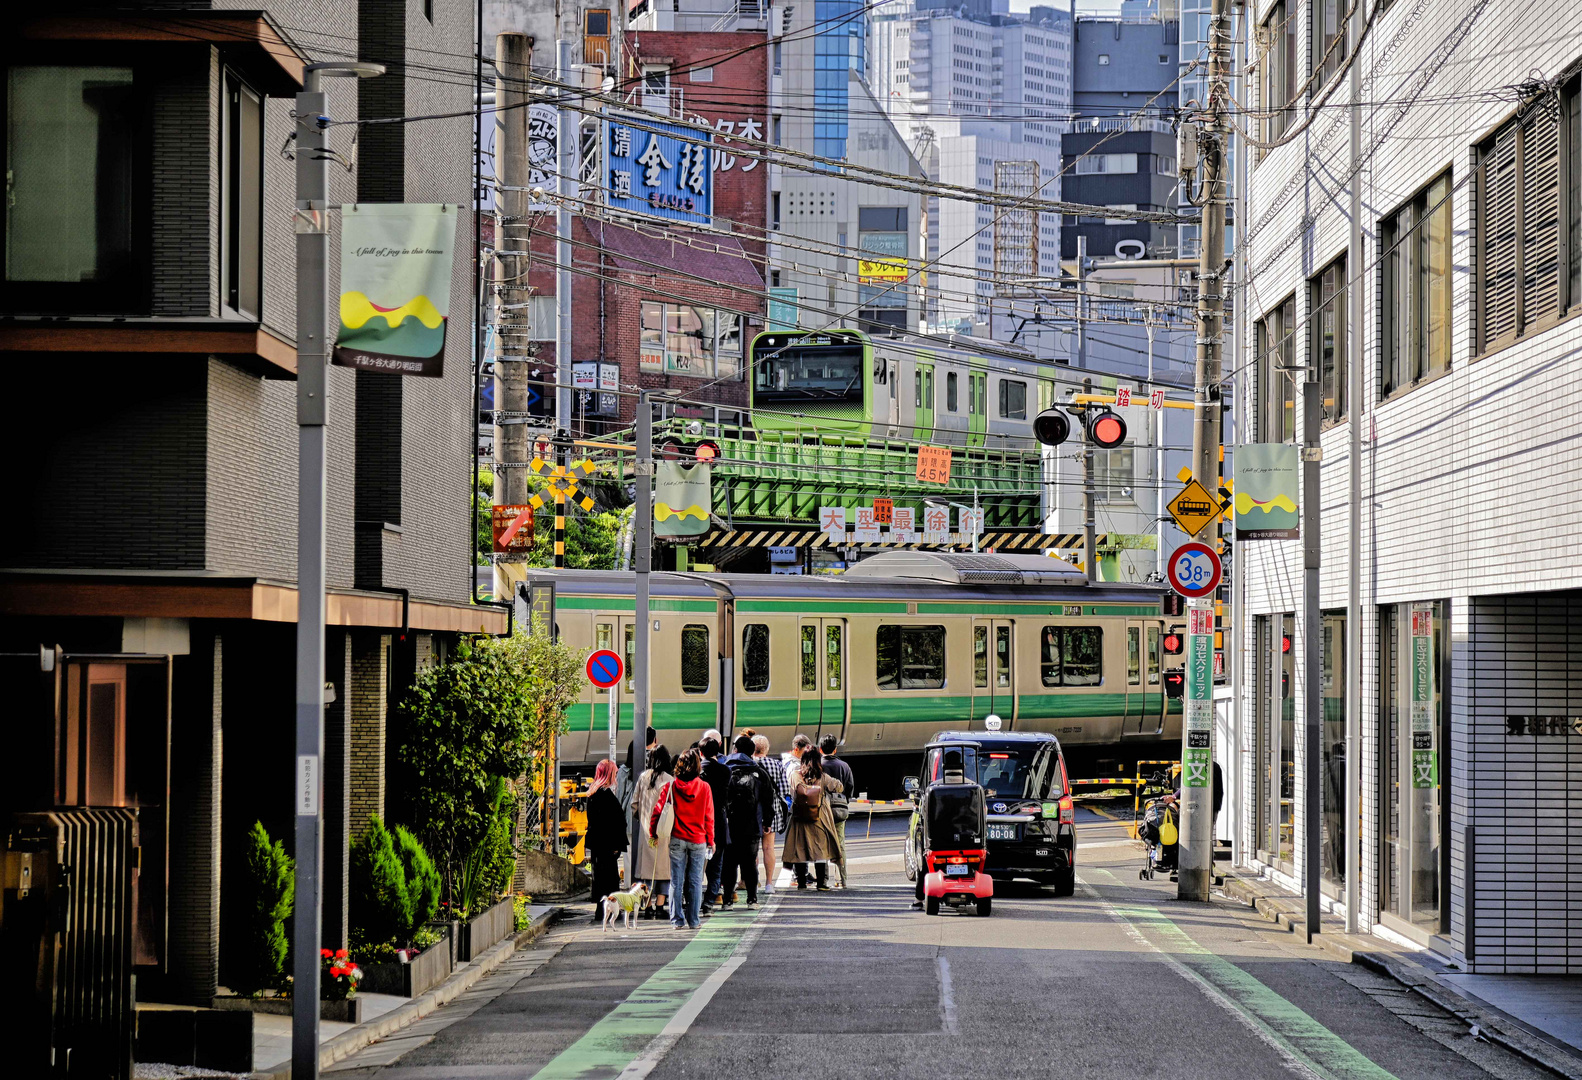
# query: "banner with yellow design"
1266,492
395,286
682,499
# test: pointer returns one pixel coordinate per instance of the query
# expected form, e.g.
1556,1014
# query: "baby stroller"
1159,836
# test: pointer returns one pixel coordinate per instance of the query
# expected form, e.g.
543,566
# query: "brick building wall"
186,111
369,700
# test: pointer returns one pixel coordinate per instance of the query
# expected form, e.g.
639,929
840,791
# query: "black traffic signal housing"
1105,429
702,452
1051,427
1175,683
1174,604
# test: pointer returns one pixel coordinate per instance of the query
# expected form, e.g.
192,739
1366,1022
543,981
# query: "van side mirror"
911,785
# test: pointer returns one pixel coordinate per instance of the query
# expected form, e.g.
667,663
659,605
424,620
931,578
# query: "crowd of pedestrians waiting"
711,818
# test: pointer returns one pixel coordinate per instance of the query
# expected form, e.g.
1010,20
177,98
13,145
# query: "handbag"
839,806
805,801
667,818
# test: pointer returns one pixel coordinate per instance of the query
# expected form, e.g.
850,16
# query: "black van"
1031,820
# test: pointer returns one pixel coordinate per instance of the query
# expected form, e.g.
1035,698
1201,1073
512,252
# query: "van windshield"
1030,771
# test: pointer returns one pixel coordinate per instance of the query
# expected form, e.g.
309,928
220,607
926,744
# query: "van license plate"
1002,832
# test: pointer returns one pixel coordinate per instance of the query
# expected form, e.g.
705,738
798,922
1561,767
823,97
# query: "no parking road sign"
604,669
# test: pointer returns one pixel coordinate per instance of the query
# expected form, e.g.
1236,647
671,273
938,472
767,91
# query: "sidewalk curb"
349,1042
1492,1024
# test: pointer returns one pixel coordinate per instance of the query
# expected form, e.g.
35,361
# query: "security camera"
537,194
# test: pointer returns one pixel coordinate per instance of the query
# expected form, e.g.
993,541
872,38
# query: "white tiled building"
1470,273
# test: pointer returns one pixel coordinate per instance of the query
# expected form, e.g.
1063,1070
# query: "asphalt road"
1120,980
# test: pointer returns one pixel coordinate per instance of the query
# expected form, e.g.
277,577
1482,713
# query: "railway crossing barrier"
1137,783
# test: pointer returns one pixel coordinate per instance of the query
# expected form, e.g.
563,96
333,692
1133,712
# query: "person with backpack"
717,775
811,838
749,809
689,804
840,805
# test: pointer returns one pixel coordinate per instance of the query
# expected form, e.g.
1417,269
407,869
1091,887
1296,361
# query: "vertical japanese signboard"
785,308
659,169
936,524
1424,764
832,523
1198,709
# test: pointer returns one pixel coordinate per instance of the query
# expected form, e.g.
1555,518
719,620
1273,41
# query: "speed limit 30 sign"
1194,569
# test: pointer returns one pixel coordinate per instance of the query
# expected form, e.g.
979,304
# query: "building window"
1104,59
1276,345
1416,289
1528,222
774,210
684,339
950,391
242,177
1106,163
1277,68
1013,399
1114,474
728,344
1071,655
652,339
1327,301
910,657
76,214
694,659
1329,38
755,658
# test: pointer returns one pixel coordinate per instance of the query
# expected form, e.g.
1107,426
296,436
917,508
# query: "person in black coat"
717,775
606,839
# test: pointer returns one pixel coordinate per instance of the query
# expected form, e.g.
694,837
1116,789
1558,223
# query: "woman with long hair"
606,837
692,838
811,837
653,865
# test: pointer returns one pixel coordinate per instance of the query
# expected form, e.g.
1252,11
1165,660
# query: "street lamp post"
311,222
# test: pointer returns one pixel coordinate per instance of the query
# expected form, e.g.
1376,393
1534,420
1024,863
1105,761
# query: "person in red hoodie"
691,838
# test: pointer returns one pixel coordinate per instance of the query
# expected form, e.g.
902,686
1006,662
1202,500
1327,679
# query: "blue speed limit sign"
1193,569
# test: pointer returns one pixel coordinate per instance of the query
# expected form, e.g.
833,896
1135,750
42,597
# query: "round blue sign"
604,669
1194,570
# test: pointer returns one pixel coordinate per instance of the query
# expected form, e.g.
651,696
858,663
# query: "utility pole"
1350,812
643,532
512,55
1196,851
1312,681
1157,435
312,225
569,185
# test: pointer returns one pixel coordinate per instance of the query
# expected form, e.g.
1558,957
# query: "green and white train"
898,647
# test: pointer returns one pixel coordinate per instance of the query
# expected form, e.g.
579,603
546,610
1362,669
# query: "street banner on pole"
1424,764
395,287
1266,491
1198,712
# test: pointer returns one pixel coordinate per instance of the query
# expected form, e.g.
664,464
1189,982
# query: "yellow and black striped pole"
560,528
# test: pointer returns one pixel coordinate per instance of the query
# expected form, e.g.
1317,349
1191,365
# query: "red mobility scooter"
952,820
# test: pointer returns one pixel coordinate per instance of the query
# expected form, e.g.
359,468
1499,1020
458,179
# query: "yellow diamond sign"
1194,509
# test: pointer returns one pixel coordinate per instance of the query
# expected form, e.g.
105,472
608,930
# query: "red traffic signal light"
1051,427
706,451
1285,643
1106,430
1174,643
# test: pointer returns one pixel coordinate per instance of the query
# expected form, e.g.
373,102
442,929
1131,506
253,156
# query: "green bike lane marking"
633,1037
1292,1033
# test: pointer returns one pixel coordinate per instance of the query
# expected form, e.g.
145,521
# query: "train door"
977,407
993,679
1144,690
617,633
923,401
822,693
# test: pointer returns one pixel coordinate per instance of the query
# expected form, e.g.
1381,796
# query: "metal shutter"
1498,207
1540,218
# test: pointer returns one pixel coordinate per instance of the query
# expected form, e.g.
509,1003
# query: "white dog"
625,903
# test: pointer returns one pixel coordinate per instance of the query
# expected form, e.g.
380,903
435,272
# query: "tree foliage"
591,539
471,724
258,960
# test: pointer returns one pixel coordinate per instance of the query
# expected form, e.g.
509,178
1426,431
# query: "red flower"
341,953
337,971
325,953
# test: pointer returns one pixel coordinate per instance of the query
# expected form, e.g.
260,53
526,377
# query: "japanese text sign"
1123,396
1156,400
936,524
659,169
832,523
903,528
933,464
513,528
970,522
867,526
882,510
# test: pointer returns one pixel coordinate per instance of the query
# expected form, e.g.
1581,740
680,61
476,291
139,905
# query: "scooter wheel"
931,905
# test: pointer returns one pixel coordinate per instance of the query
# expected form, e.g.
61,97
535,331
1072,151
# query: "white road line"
662,1043
1290,1060
947,996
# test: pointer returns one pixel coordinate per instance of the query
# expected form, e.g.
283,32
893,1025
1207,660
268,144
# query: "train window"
910,657
1071,655
980,656
834,652
694,659
1153,656
917,386
755,658
1013,400
810,658
950,391
1002,656
603,638
631,651
1134,656
928,389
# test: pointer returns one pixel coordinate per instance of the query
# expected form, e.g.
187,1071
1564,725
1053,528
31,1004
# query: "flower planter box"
348,1011
427,969
492,925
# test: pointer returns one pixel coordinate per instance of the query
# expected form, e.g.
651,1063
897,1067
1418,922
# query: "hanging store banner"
1266,492
395,287
681,499
543,152
785,309
1424,765
1198,711
659,170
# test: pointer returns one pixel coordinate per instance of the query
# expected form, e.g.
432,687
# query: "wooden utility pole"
513,448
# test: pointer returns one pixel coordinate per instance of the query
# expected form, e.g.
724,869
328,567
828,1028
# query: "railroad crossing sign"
1195,508
604,669
561,482
1194,570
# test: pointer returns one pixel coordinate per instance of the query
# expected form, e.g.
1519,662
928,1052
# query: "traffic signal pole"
1196,851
